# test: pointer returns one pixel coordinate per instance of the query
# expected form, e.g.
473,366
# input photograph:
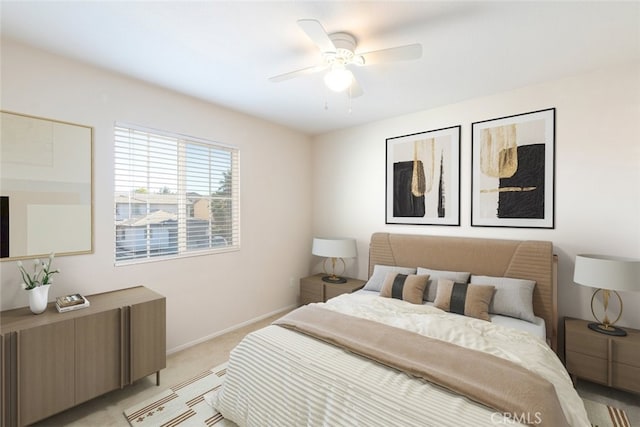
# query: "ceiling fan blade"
355,89
315,31
400,53
298,73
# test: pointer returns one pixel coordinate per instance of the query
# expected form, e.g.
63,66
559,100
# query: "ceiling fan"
339,53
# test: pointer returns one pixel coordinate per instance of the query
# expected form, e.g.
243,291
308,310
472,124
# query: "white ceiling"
224,51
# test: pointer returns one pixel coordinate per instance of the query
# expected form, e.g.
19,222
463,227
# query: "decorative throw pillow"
407,287
435,275
380,272
464,298
513,297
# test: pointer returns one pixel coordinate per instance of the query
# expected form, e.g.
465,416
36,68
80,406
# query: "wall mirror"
46,189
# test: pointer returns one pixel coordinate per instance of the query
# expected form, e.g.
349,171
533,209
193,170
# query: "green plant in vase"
41,274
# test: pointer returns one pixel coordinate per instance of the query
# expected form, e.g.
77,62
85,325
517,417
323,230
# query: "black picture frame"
513,171
423,178
4,227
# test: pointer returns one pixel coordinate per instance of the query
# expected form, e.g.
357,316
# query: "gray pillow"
513,297
434,275
376,280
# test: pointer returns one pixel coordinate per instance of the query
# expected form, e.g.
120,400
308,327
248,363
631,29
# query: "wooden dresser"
313,289
604,359
53,361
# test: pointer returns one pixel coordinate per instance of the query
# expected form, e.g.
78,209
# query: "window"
174,195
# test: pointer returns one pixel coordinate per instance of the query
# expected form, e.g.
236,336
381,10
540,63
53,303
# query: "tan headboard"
521,259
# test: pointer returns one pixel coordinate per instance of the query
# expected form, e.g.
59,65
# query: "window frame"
183,206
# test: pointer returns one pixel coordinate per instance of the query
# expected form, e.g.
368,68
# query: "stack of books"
71,302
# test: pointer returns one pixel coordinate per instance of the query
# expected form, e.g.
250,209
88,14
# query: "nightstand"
313,289
604,359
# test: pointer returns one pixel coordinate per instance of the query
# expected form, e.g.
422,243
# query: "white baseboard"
224,331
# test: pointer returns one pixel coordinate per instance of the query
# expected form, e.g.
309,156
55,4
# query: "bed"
396,353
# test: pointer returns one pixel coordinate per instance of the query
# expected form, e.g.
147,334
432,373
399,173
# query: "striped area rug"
184,405
602,415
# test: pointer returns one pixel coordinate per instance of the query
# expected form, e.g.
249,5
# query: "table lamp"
608,274
334,249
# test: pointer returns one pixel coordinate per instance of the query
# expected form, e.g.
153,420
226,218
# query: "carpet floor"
188,404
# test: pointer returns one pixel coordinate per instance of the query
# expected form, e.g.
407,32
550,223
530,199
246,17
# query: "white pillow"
435,275
380,273
513,297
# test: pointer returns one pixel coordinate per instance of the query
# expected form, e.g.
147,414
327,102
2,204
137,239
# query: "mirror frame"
53,122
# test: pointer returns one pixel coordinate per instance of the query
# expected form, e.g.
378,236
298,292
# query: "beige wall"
333,186
597,174
205,294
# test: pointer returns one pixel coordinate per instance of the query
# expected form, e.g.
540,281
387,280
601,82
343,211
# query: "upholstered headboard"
521,259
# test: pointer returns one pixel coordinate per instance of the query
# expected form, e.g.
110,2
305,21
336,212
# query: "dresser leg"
158,378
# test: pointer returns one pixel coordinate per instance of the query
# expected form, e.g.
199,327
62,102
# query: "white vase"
38,298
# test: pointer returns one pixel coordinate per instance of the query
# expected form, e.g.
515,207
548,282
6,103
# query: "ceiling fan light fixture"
338,78
339,51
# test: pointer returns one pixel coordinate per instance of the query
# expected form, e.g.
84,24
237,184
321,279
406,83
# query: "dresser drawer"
333,290
587,343
626,377
626,352
587,367
311,292
314,289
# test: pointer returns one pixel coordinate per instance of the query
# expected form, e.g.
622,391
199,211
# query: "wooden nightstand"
313,289
604,359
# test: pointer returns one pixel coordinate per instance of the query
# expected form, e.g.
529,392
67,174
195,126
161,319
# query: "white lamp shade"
334,248
607,272
338,78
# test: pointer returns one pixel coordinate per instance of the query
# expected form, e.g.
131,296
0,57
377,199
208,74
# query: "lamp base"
609,330
334,279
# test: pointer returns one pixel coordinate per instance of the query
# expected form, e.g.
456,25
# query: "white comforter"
277,377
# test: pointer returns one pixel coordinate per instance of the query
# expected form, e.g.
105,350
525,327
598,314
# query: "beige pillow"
463,298
407,287
435,275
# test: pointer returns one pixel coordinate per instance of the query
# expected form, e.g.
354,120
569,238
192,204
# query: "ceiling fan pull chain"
326,103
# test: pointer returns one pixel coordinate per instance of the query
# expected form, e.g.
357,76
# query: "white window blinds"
174,195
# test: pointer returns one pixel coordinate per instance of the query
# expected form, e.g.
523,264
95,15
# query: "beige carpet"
187,404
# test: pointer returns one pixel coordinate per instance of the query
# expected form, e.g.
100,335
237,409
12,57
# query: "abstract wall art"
46,187
513,167
423,178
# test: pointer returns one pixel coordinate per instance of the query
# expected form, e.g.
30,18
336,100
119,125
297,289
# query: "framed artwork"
513,171
423,178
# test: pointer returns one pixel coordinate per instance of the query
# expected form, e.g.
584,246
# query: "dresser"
604,359
53,361
314,289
